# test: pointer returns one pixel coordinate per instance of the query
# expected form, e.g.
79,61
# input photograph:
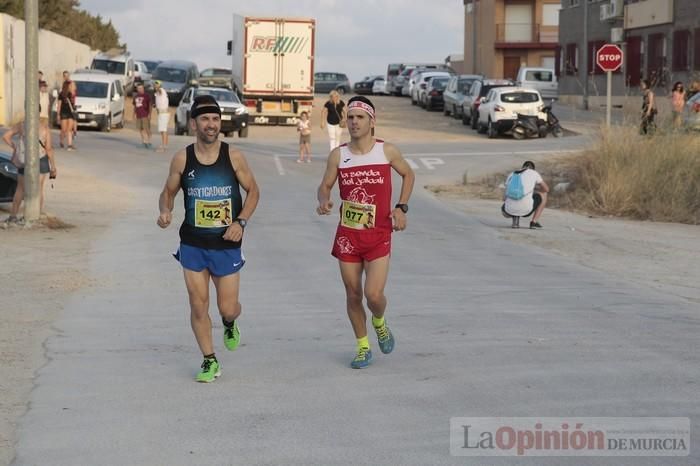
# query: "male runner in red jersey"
363,238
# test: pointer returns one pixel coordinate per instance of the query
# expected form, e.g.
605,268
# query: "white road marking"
430,162
514,152
278,164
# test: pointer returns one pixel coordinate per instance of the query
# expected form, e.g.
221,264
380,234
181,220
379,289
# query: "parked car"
141,75
399,83
99,102
392,71
379,87
8,177
407,88
216,77
119,63
175,77
151,64
365,86
454,93
472,100
420,84
325,82
542,79
501,106
234,115
432,99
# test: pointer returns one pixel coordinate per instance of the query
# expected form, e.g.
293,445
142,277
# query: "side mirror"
130,73
116,97
54,94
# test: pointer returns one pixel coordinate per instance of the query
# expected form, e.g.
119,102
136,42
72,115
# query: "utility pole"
584,64
31,112
474,37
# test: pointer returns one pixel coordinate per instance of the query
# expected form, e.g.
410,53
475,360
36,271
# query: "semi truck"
273,67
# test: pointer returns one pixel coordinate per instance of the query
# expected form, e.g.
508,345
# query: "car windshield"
90,89
112,67
485,89
215,72
545,76
520,97
220,95
173,75
151,65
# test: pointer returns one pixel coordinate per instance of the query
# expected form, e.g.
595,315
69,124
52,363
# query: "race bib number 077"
358,216
212,214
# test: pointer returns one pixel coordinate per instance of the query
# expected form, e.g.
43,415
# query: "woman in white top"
47,162
163,110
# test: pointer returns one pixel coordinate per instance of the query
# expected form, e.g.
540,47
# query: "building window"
656,60
573,3
571,59
681,49
697,49
558,61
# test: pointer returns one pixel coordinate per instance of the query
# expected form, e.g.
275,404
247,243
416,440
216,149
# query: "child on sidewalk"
304,129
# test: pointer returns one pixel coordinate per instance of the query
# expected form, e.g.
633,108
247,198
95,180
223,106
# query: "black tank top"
212,199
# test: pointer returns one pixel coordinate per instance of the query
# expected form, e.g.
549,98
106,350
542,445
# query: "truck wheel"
491,130
474,121
243,132
465,119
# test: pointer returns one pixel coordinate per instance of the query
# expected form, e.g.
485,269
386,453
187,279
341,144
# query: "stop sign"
609,57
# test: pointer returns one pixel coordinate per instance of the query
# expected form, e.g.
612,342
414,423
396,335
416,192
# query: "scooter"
552,122
528,126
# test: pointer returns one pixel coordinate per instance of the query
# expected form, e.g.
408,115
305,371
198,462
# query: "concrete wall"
56,53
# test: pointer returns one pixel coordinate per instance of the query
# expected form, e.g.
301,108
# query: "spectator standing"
142,109
333,116
647,125
304,129
677,103
163,110
66,113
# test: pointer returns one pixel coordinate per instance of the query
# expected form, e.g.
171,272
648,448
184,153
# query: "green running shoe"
363,358
232,336
210,371
385,339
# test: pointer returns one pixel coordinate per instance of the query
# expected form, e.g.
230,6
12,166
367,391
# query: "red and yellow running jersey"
365,189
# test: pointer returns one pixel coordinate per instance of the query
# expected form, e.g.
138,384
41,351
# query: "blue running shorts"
219,262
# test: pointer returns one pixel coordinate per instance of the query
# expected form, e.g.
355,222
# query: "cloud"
358,38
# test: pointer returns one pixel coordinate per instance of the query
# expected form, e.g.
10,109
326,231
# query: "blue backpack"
515,189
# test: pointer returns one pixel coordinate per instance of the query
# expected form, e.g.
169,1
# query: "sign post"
609,59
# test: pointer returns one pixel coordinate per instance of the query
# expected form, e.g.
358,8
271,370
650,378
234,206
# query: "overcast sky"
358,37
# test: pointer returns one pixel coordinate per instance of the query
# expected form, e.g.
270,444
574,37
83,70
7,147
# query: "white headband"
362,106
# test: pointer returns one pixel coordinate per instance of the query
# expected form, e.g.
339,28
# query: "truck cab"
119,64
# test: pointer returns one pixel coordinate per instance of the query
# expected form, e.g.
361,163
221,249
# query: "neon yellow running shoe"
363,358
232,336
385,339
210,371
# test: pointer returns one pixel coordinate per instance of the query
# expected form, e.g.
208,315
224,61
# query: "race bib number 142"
212,214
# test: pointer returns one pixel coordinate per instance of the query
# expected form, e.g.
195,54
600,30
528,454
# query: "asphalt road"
484,327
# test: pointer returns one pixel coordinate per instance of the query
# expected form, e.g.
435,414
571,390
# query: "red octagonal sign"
609,57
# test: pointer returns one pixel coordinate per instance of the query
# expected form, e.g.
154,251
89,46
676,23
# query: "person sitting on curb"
525,195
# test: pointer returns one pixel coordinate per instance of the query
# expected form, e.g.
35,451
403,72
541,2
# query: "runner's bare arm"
247,181
324,115
324,190
172,185
399,164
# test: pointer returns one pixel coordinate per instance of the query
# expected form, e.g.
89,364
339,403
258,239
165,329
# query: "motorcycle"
528,126
552,123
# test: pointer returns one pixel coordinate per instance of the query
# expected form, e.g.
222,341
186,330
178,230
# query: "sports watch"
241,221
403,207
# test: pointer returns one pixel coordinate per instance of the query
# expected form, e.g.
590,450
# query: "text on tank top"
212,200
365,189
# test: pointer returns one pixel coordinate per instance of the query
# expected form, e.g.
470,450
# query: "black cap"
204,104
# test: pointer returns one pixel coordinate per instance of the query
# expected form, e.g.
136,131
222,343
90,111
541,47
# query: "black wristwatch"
403,207
241,221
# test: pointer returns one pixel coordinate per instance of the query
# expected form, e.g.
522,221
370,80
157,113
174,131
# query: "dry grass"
647,178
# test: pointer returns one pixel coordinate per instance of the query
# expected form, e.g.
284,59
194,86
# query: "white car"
499,110
234,115
420,84
99,101
379,87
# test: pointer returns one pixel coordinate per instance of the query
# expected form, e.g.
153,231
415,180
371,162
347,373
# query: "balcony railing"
526,32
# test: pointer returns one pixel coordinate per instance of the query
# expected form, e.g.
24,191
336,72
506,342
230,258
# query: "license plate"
81,116
225,117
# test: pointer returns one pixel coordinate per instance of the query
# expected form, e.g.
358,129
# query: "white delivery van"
99,102
542,79
118,63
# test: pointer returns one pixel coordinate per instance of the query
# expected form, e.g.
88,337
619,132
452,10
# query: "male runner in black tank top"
210,173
